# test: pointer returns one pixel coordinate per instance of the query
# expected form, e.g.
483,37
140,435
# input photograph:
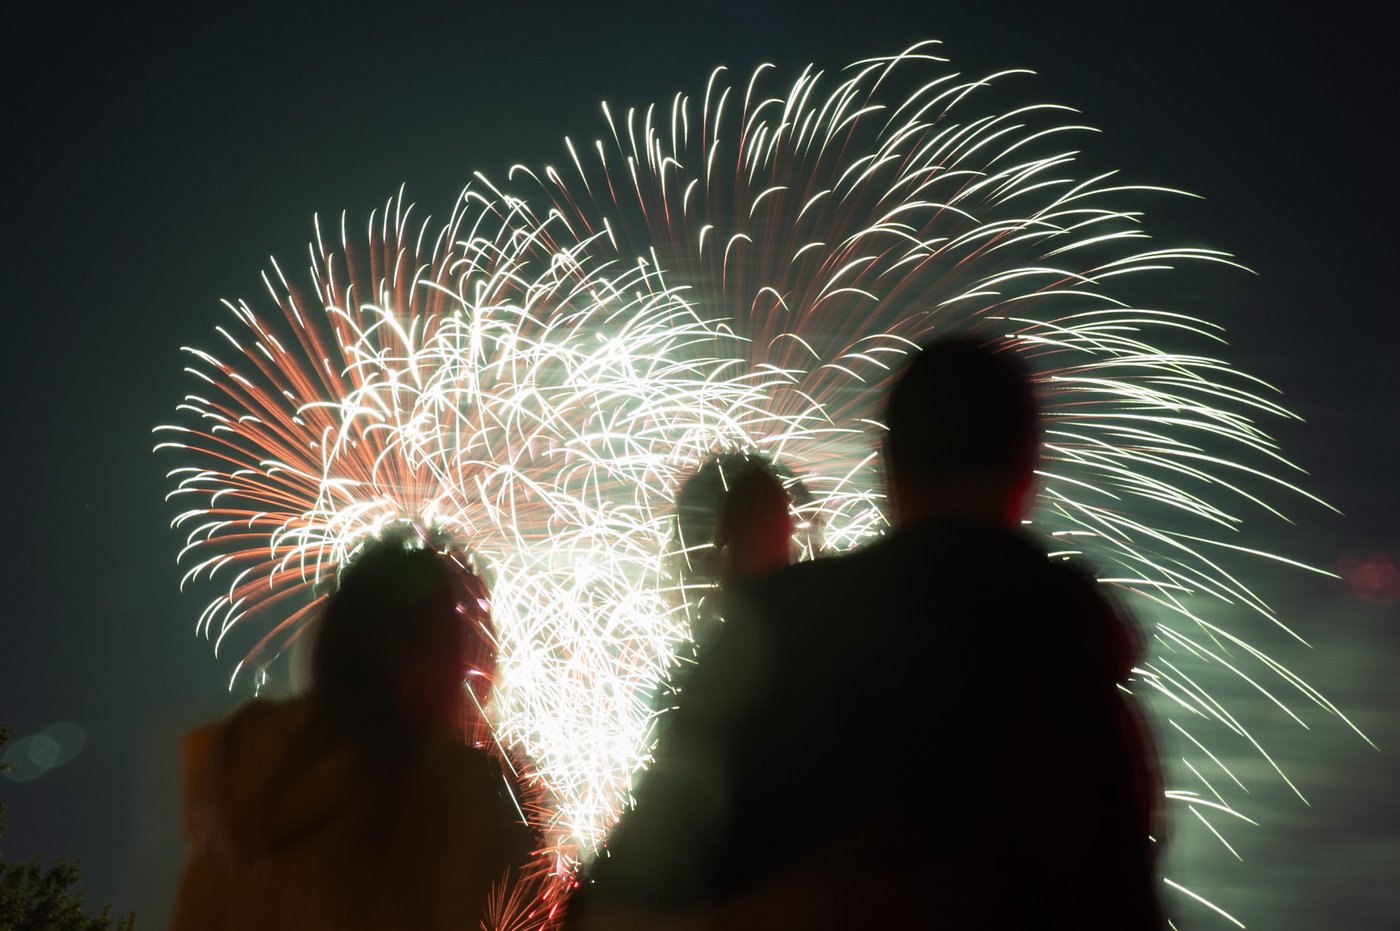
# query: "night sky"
157,161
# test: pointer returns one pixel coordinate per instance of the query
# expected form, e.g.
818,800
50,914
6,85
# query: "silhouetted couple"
928,732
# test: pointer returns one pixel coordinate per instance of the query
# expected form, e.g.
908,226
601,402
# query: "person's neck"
971,503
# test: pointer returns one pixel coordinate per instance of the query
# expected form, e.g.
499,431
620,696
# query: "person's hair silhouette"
402,633
754,532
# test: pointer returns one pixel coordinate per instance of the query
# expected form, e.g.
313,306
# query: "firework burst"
471,381
834,221
737,271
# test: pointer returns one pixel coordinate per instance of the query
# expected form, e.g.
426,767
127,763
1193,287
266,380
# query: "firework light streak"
838,220
507,396
737,271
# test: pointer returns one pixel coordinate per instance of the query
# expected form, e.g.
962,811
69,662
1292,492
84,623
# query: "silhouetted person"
737,504
734,525
365,804
755,528
925,733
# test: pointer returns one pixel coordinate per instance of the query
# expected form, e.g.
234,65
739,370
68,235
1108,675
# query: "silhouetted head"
755,527
963,435
735,524
723,485
403,632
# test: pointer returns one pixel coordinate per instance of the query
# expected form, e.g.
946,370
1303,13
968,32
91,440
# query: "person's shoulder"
268,727
468,790
445,754
253,719
1093,618
1073,584
226,767
827,571
831,581
929,554
481,783
805,590
451,782
262,712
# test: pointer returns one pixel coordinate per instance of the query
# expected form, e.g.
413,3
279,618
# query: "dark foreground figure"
362,805
926,733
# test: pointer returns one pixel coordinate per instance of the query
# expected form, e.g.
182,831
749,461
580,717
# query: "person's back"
933,714
361,805
281,842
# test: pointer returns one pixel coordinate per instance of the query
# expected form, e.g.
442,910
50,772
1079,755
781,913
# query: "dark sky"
157,160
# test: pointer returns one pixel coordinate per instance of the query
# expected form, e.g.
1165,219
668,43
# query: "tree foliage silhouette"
38,898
